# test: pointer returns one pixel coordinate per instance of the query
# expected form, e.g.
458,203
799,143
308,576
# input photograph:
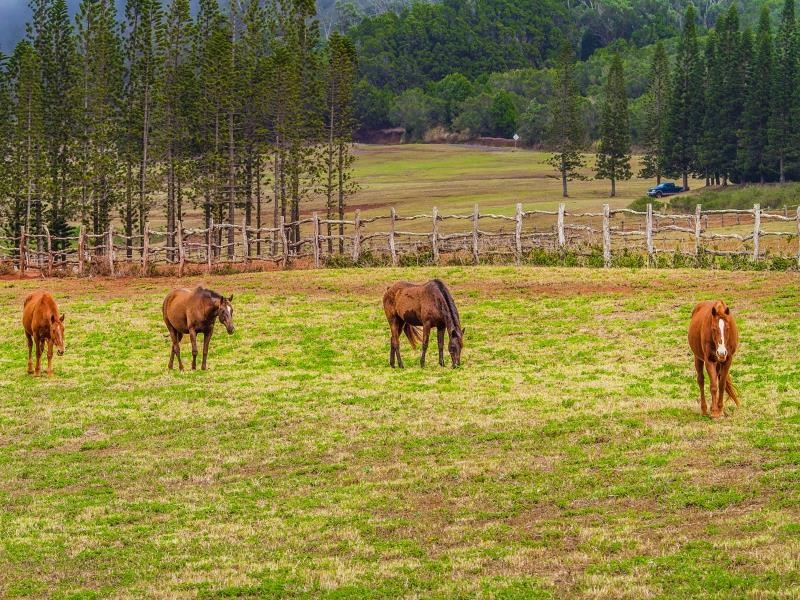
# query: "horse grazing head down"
721,329
225,313
57,333
455,345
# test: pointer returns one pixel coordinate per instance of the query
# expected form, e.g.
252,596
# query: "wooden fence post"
756,230
315,241
181,249
210,244
697,229
245,242
357,237
145,246
49,252
22,250
110,249
649,233
606,235
475,216
393,248
284,243
797,221
435,236
518,235
81,249
562,239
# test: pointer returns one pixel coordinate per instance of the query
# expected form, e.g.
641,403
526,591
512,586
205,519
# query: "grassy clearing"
567,458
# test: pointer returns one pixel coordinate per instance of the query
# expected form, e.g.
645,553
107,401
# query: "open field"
565,459
415,177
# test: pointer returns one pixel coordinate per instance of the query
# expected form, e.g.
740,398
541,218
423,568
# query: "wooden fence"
394,239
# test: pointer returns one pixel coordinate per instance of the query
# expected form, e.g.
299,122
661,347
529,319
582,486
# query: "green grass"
566,458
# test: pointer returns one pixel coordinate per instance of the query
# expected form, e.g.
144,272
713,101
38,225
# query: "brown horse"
193,312
713,338
42,323
409,307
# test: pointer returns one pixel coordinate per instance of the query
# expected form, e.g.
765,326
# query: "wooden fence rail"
424,238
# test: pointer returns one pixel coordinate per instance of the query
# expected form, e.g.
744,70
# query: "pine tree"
143,60
783,134
753,150
28,166
566,135
178,86
614,150
731,65
100,85
686,106
342,65
656,99
211,55
53,37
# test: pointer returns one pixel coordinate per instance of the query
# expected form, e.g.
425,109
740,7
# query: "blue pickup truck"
664,189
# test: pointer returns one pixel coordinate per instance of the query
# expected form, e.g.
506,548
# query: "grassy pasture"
566,458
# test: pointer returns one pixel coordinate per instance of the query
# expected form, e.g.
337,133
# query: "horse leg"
30,353
396,327
193,338
206,339
440,341
723,379
426,336
701,381
713,375
39,348
49,358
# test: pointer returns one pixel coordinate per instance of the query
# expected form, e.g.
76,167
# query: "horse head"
57,333
225,313
455,345
720,329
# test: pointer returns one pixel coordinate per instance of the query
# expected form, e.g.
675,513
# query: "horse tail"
413,334
451,305
732,390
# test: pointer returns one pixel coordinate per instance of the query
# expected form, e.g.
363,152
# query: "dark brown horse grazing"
42,323
713,338
193,312
409,307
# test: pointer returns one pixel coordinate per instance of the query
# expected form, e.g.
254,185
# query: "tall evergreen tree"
338,159
731,65
656,99
783,126
100,96
566,133
144,32
54,38
753,150
28,168
178,85
614,150
686,106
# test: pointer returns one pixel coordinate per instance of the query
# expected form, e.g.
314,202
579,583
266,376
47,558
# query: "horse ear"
52,318
727,310
713,311
62,317
463,329
231,298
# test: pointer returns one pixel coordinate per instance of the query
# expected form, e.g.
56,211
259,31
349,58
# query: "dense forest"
252,104
237,108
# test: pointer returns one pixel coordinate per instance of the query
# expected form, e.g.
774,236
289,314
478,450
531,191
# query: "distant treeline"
104,118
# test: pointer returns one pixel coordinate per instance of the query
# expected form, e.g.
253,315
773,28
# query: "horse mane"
207,293
448,300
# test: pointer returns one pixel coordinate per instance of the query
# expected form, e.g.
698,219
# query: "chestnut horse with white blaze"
42,324
713,338
409,306
195,311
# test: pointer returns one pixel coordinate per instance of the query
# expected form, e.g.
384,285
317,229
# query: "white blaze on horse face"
722,351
